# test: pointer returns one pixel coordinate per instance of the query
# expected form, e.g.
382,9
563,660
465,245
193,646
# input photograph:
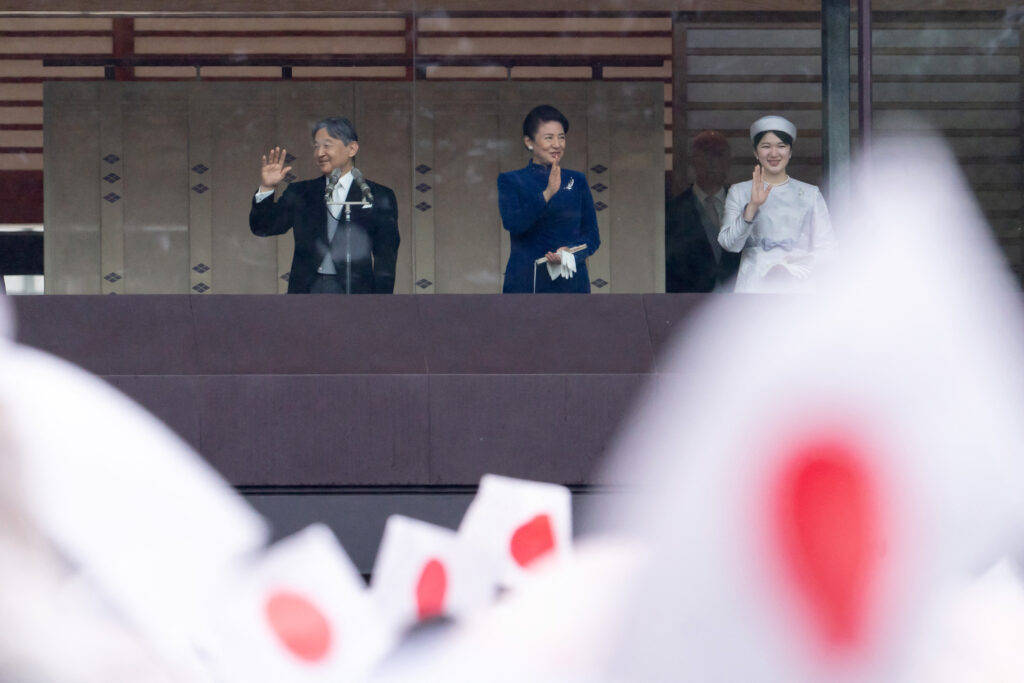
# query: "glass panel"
441,96
23,284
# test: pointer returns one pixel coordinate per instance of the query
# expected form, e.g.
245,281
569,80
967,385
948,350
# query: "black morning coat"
690,264
364,249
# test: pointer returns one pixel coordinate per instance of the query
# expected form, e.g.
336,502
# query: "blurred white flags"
518,524
134,511
977,633
425,571
815,470
300,613
558,627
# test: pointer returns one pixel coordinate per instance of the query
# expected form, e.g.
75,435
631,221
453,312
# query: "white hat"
766,123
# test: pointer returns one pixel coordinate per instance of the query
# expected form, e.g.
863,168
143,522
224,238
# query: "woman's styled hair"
338,127
785,137
542,114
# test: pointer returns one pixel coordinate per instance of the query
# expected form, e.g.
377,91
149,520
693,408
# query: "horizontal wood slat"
198,33
877,78
878,51
353,60
544,34
878,105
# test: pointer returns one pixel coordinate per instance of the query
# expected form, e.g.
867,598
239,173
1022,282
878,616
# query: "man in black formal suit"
694,261
346,227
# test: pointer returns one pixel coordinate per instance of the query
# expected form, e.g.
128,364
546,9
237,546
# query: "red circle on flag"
300,626
431,589
532,540
828,525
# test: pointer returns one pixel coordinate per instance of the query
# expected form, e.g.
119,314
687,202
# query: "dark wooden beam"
124,47
680,106
21,195
354,60
835,94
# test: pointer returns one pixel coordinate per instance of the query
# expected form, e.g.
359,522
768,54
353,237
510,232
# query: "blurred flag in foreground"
133,511
518,525
976,633
424,571
299,613
862,456
557,626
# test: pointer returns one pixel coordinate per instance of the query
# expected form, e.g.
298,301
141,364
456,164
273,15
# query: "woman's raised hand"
759,191
273,170
554,182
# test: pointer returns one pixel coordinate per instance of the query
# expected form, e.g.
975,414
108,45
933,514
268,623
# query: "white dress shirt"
339,196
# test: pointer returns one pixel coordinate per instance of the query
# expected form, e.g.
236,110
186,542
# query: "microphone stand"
348,241
348,248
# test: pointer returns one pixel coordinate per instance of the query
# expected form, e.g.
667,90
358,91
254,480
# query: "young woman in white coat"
779,225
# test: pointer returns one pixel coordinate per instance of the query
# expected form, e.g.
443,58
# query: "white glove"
568,264
566,269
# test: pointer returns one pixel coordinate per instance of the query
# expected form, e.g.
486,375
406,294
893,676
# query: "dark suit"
690,264
364,249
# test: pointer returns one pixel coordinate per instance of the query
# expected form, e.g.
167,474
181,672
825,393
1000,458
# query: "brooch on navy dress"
569,185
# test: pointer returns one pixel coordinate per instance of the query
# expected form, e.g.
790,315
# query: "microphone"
332,182
357,176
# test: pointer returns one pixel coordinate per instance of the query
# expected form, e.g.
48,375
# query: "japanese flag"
558,627
137,514
425,571
518,524
301,612
812,471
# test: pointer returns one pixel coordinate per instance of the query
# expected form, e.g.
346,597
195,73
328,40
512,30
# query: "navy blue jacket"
537,227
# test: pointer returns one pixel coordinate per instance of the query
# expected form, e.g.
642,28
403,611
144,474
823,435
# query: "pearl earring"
530,148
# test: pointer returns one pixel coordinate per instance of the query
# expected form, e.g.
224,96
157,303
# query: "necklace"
777,184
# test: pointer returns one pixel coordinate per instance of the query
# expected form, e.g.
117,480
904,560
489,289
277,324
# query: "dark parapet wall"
346,410
317,391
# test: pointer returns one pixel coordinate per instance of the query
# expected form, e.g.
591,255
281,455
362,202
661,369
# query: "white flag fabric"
976,632
134,511
53,626
301,612
558,627
424,571
814,469
518,525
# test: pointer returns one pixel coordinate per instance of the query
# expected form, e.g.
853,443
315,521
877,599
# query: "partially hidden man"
346,227
694,260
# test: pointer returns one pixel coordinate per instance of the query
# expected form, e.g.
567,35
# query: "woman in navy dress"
546,209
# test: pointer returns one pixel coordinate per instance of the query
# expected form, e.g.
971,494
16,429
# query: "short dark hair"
338,127
785,137
543,114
